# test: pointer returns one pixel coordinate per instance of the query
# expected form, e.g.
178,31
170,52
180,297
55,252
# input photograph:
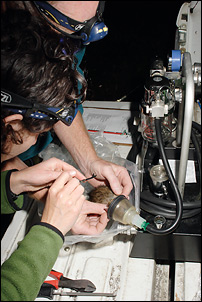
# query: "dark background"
120,63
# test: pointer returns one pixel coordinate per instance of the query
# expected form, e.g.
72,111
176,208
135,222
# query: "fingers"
92,219
59,186
97,223
64,202
93,208
56,164
117,176
59,183
126,182
102,222
96,217
74,188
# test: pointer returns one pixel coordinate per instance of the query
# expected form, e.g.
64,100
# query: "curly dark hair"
38,64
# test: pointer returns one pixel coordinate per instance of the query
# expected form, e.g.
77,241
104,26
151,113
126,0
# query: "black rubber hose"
147,196
169,214
148,199
198,150
196,126
179,202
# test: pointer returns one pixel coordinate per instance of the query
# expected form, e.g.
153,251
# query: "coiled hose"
167,208
178,198
196,144
153,205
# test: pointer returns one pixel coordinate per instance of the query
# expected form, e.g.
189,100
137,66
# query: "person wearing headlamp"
86,23
78,20
41,95
26,81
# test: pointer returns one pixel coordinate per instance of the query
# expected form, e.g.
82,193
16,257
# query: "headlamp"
88,31
18,104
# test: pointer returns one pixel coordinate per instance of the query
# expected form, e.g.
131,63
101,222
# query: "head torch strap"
101,7
66,115
55,27
81,30
25,107
10,99
58,17
89,25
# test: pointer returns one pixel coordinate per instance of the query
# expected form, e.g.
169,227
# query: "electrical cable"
179,202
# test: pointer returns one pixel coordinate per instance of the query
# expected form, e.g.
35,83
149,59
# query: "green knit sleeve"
7,205
24,272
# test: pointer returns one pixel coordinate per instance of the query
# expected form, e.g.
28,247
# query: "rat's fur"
102,194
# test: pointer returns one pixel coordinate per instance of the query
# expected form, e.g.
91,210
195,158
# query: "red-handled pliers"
80,285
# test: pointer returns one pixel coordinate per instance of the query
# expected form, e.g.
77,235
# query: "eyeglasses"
88,31
18,104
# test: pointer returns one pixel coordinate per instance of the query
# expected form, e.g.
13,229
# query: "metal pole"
188,117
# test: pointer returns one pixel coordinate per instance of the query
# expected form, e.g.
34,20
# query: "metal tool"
86,294
80,285
48,291
93,176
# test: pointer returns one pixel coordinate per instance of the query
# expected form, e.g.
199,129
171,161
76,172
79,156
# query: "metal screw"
159,221
66,248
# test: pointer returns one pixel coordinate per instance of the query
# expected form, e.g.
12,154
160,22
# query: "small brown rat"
102,194
119,207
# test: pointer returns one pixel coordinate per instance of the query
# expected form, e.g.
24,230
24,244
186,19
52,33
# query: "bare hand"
92,219
115,176
64,202
42,175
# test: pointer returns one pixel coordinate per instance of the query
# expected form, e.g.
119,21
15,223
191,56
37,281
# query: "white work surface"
107,263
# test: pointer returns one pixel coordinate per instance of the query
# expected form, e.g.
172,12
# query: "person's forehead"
77,10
